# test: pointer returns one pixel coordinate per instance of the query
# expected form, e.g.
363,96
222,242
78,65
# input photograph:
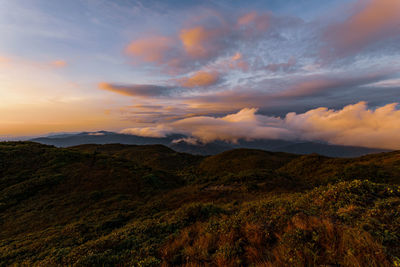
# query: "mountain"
327,150
130,205
177,143
102,137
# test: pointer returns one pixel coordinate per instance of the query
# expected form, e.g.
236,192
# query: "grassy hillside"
154,156
315,169
238,160
120,205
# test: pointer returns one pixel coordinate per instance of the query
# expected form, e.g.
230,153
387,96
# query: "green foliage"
116,205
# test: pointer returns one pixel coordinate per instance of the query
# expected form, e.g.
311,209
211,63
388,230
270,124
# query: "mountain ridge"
212,148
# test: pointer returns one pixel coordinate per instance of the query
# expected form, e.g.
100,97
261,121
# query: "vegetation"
120,205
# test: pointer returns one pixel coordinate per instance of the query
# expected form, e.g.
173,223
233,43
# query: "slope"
105,205
155,156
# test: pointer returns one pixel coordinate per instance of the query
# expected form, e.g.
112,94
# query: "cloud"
247,19
237,56
138,90
244,124
59,63
200,42
352,125
237,62
18,62
188,140
96,134
334,83
355,125
175,99
372,22
151,49
253,24
200,79
287,66
179,98
197,44
388,83
265,60
156,131
277,95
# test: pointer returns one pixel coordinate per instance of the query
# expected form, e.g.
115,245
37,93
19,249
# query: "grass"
115,205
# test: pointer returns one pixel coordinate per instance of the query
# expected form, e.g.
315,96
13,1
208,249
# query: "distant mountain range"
177,143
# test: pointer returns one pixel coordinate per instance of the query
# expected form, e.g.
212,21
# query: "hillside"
129,205
239,160
316,169
155,156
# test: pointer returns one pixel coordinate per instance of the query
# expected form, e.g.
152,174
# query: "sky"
313,70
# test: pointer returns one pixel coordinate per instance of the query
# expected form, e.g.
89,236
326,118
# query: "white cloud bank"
355,125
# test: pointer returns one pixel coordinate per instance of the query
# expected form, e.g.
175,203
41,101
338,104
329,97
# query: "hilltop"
118,205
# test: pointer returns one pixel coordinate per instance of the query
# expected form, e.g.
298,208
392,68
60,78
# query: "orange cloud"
199,42
237,62
156,131
200,78
197,45
138,90
377,20
237,56
151,49
244,124
353,125
111,88
59,63
247,19
253,22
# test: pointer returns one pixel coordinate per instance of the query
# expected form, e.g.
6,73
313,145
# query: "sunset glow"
212,70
